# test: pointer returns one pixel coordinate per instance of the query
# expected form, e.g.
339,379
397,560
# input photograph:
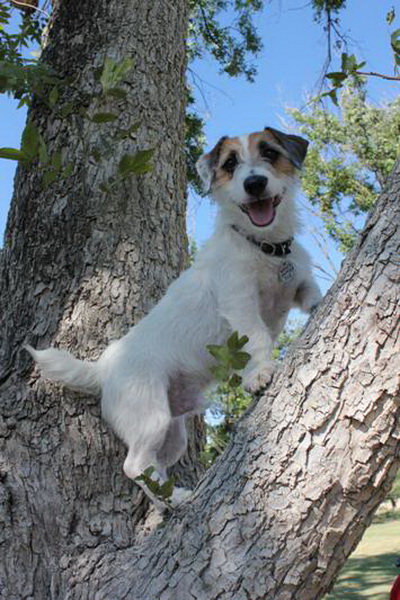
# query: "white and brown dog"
246,279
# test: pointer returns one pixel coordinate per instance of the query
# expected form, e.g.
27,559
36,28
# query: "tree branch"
381,75
32,6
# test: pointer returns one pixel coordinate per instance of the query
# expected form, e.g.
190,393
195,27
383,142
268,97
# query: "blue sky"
289,68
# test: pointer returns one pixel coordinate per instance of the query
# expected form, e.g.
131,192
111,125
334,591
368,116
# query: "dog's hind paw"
259,378
179,496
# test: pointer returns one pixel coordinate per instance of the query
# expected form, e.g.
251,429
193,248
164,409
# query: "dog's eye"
230,163
268,153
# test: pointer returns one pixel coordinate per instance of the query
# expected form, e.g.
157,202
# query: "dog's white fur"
155,374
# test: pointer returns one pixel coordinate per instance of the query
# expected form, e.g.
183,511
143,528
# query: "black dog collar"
281,249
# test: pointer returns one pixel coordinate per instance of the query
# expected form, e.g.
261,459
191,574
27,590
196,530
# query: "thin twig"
36,8
381,75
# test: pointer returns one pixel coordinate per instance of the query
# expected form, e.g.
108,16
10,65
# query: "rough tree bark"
79,267
279,513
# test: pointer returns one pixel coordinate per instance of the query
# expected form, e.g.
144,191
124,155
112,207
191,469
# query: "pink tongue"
262,212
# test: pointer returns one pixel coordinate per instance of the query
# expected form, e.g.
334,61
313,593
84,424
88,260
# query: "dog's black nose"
255,185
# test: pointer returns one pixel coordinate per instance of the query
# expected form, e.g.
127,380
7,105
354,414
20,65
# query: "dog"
246,278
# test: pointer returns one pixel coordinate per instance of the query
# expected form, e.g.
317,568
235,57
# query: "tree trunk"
79,267
279,513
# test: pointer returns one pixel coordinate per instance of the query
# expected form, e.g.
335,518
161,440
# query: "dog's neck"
280,249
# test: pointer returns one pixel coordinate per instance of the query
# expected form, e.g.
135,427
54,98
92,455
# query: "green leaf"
113,73
149,471
103,117
104,188
395,43
56,161
117,93
390,16
30,142
235,342
333,96
135,164
167,488
68,170
349,62
235,381
43,155
221,353
239,360
122,69
122,134
96,154
395,40
67,109
220,372
49,177
337,77
12,154
53,97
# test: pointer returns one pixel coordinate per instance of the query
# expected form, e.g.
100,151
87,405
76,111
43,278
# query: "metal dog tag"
286,272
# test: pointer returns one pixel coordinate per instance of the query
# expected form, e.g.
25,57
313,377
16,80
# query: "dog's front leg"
239,305
308,295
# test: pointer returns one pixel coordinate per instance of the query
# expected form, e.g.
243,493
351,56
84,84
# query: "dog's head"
254,174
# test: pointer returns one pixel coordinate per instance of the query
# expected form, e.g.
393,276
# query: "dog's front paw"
259,377
308,298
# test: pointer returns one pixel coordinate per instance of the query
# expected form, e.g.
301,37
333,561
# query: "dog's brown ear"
295,146
207,163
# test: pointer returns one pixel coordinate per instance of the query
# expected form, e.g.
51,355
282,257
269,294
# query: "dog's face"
254,174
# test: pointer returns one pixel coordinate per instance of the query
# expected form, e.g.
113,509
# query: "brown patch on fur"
213,156
228,145
282,164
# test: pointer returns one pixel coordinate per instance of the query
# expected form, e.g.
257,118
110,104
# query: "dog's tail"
60,365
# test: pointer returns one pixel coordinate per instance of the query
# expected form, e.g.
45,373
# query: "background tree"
353,151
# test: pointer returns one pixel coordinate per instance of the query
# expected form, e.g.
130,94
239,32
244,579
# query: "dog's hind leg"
171,451
174,444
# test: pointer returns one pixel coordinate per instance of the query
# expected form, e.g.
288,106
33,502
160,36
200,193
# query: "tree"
81,263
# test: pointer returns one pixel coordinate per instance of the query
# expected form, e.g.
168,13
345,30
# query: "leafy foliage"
113,74
20,76
321,6
227,406
229,399
163,491
228,402
11,43
33,147
351,155
230,45
230,358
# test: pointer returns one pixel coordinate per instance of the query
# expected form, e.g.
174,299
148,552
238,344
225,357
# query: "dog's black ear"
206,164
295,146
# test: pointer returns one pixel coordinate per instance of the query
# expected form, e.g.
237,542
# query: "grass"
370,570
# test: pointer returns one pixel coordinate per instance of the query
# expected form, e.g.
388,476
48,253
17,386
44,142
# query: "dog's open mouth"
261,212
